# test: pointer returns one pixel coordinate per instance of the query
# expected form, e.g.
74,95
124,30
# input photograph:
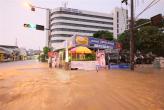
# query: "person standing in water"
50,62
97,66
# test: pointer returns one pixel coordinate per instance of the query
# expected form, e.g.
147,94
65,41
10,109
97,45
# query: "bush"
90,57
42,58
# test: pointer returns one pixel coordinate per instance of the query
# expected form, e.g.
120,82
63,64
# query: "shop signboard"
100,58
93,42
119,66
101,43
118,45
112,51
81,40
51,54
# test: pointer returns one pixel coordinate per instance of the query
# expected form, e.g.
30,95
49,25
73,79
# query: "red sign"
118,45
51,54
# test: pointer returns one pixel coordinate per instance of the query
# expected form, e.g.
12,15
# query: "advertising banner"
100,58
81,40
118,45
93,42
101,43
51,54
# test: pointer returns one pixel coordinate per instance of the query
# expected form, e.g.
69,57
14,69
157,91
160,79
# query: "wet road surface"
31,85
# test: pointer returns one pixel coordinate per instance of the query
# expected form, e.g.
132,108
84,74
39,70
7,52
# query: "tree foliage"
142,21
46,50
152,40
124,39
103,35
147,39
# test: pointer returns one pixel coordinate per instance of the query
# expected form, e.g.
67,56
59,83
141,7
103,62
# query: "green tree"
45,51
147,39
103,35
142,21
152,40
124,39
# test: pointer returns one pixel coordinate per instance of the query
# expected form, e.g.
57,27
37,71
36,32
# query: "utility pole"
132,36
49,26
132,44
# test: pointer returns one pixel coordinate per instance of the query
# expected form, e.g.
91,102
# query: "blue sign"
101,43
94,40
119,66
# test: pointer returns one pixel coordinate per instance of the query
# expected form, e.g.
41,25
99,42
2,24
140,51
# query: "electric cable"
154,2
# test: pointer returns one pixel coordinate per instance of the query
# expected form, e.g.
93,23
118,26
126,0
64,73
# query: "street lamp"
48,38
26,4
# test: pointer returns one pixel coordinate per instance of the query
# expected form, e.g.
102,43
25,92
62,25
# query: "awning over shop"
2,52
5,50
81,50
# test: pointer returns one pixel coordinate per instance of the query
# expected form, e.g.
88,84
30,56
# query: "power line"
145,8
149,6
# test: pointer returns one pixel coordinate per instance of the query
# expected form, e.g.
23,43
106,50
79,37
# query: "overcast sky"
13,14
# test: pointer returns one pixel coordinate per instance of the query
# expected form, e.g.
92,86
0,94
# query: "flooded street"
31,85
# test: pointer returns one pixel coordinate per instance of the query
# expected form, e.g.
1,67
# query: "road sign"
30,25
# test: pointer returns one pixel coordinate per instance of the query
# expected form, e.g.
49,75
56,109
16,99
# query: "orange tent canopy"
81,50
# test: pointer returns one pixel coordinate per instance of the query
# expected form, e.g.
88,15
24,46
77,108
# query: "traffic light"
157,20
39,27
30,26
125,1
26,25
34,26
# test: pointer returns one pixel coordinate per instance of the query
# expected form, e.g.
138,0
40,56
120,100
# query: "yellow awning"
81,50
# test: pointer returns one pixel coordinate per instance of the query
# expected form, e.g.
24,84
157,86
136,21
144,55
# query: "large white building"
66,22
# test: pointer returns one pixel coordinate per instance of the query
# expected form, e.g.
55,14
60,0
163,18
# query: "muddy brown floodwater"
36,87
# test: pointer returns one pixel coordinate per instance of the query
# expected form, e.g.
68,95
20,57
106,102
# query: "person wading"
97,66
50,62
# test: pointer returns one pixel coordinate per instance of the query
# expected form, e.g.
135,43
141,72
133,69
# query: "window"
73,30
81,25
117,14
117,25
81,14
62,35
82,20
56,41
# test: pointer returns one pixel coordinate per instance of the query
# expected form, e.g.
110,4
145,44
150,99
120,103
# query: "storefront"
1,56
83,52
82,58
4,55
97,46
